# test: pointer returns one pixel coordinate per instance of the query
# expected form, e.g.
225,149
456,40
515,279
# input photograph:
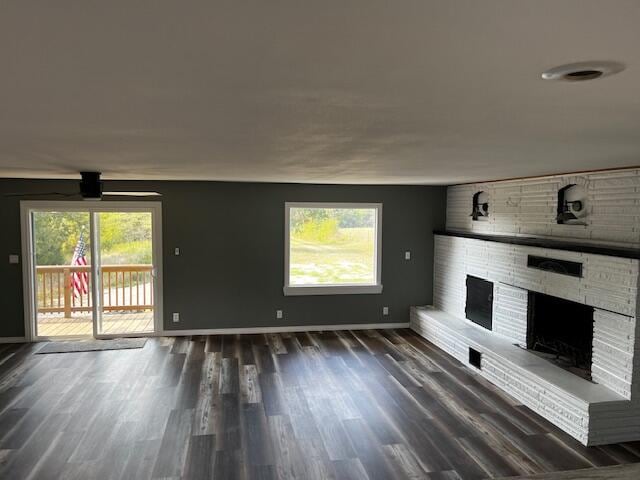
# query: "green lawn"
345,258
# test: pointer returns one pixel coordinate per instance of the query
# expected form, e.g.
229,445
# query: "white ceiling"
424,92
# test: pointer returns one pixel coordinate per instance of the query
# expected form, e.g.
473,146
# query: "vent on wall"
564,267
480,207
475,358
572,205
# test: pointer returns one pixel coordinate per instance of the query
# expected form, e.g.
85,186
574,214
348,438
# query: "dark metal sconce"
566,213
479,209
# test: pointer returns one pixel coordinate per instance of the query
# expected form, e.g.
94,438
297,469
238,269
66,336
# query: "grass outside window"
332,245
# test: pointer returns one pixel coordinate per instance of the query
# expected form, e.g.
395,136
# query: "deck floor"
382,404
57,325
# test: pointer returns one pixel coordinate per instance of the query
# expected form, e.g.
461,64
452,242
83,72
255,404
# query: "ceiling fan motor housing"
91,185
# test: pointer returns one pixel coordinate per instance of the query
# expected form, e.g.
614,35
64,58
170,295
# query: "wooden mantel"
612,251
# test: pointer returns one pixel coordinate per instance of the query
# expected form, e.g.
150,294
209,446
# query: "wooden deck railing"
124,288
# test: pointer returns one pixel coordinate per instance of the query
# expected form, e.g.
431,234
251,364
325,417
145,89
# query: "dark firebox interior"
561,331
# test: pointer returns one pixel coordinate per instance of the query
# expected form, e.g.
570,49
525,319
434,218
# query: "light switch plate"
14,259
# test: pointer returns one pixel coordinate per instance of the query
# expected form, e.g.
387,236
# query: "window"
332,248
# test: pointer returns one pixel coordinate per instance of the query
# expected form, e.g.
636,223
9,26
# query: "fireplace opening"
562,332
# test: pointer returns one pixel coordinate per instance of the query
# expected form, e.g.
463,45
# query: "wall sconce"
480,206
571,205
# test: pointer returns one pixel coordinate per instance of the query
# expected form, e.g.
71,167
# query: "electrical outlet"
407,255
278,313
176,317
385,310
14,259
176,251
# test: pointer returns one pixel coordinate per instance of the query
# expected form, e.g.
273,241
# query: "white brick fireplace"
499,248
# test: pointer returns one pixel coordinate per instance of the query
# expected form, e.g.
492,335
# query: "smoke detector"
582,71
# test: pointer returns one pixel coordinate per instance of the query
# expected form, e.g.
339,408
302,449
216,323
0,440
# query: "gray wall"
230,272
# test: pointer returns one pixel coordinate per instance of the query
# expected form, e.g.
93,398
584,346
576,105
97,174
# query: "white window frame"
338,289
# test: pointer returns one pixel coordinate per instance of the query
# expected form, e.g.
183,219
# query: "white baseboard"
13,339
292,328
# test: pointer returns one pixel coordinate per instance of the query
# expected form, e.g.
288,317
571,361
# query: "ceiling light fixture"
582,71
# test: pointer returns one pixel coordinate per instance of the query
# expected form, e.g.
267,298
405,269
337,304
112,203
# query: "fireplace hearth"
561,331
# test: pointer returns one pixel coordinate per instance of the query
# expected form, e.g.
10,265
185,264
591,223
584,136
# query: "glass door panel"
126,272
62,273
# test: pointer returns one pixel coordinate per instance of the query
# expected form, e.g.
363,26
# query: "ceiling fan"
90,188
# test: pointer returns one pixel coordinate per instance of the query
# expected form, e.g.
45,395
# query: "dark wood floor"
343,405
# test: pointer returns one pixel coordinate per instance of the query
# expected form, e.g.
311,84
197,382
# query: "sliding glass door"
126,272
92,269
62,273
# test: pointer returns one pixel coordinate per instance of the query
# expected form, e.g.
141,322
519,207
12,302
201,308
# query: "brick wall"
510,312
528,207
609,284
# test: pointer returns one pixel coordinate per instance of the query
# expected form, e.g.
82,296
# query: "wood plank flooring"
382,404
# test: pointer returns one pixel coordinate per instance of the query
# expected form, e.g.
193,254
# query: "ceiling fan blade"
132,194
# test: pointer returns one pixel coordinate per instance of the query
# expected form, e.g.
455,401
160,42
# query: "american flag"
80,280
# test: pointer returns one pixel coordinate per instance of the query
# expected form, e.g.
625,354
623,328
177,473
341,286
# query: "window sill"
331,290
